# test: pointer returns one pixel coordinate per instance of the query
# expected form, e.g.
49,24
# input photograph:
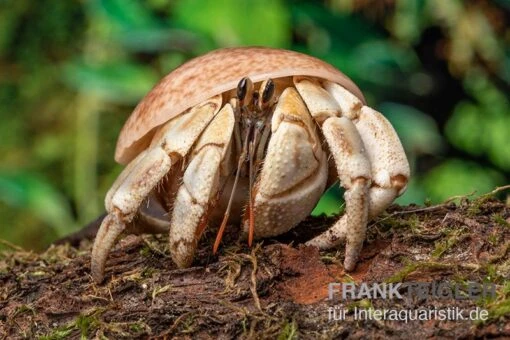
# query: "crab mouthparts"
253,109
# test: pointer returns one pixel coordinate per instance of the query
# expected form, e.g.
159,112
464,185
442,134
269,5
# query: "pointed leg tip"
350,262
98,278
182,252
98,261
111,228
349,266
183,261
97,273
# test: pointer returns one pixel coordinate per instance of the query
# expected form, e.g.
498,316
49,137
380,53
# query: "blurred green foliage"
72,71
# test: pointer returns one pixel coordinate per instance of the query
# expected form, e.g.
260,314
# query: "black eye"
268,91
242,89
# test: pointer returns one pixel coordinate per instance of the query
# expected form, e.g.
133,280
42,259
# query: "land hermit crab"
251,135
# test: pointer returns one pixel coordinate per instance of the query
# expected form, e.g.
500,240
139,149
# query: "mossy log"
276,289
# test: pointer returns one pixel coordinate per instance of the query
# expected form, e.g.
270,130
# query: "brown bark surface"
276,289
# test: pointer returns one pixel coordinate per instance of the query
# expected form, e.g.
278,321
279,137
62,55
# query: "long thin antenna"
234,186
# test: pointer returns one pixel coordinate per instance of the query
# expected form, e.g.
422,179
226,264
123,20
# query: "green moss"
474,210
411,222
499,309
412,267
145,251
402,274
59,333
159,290
498,219
188,325
444,245
289,331
86,324
493,239
492,273
501,306
148,272
364,303
24,309
136,327
475,207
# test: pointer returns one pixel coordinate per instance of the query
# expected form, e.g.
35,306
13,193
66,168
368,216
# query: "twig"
437,206
253,286
175,324
461,219
495,191
500,254
13,246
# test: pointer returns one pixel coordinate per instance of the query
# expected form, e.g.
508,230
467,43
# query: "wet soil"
276,289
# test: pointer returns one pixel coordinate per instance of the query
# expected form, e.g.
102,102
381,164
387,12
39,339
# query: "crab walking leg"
138,179
390,168
294,172
353,168
126,173
124,206
200,186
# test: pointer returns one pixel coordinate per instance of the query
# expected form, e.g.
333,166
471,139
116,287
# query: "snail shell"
211,74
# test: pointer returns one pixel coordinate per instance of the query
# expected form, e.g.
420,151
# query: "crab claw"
200,185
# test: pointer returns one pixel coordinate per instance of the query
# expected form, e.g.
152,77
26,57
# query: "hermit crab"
252,136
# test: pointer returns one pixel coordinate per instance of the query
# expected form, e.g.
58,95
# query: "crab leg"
294,172
353,168
377,140
200,186
139,178
390,168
